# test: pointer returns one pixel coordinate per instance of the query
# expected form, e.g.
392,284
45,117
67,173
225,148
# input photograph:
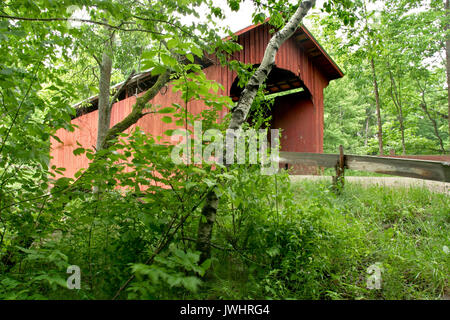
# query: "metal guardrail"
420,169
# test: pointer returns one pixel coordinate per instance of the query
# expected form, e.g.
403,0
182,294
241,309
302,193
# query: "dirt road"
434,186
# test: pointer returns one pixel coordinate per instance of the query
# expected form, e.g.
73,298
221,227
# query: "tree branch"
124,84
166,239
78,20
137,111
169,23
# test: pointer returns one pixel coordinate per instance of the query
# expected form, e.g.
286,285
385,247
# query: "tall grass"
327,245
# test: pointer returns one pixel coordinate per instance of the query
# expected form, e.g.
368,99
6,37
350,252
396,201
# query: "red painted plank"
301,118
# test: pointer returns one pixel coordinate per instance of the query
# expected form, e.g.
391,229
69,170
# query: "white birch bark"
240,114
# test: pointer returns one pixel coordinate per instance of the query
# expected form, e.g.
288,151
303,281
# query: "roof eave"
340,73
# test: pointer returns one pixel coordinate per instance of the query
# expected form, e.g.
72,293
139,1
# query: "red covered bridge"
300,63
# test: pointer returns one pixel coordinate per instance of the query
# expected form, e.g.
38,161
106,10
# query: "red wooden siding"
302,118
296,116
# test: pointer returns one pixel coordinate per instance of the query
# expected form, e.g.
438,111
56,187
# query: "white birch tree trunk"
240,114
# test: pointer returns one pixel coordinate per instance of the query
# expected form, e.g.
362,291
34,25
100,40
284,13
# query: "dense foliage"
130,221
406,40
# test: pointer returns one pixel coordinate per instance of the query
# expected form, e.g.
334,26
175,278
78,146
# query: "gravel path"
435,186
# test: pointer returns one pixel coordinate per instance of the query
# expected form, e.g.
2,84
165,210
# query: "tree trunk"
367,128
105,134
434,123
402,129
378,105
104,110
396,98
447,51
205,226
105,102
240,113
370,48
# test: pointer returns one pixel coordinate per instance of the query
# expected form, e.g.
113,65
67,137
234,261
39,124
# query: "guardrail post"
338,180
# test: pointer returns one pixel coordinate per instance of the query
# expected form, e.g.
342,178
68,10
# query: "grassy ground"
323,248
273,239
354,173
405,230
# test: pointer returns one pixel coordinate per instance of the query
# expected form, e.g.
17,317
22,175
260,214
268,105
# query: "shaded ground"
435,186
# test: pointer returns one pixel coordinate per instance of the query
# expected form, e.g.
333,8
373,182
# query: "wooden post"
338,180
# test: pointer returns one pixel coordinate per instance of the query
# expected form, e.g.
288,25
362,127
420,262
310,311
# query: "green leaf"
148,64
169,132
158,70
191,283
168,60
209,182
166,110
79,151
190,57
166,119
172,43
197,51
206,265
